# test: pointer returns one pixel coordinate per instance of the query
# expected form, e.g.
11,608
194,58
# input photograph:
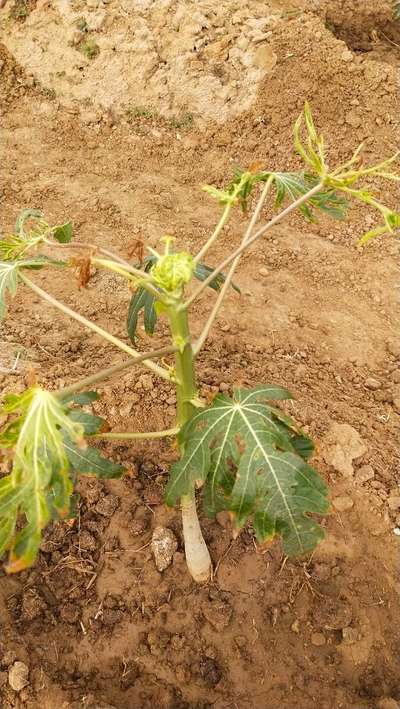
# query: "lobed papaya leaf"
46,436
89,461
252,459
202,271
83,397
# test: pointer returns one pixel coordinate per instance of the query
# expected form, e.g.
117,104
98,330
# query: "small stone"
346,56
341,444
224,386
372,383
87,541
32,605
263,271
130,673
353,118
394,502
126,409
265,58
210,671
147,382
343,503
8,658
18,676
350,636
387,703
69,613
394,348
365,473
318,639
396,403
217,613
295,627
321,571
77,37
90,117
240,640
163,545
106,506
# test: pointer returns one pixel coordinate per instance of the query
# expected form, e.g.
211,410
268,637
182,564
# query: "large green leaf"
90,423
246,453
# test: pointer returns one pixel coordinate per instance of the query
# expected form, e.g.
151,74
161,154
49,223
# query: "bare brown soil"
94,621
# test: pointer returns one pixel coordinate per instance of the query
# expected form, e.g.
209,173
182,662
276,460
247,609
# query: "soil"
94,621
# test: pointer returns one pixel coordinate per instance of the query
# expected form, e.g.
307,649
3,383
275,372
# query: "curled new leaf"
251,459
143,300
24,216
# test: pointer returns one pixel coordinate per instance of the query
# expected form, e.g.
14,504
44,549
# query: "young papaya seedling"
242,452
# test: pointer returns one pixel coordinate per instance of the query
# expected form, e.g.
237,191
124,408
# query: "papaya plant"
242,453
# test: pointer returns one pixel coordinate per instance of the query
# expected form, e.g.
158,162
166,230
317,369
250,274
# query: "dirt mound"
144,55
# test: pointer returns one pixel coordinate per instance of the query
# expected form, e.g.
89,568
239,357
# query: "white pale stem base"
197,555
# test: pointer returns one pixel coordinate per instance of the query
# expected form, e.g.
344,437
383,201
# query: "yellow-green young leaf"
251,458
40,465
172,271
8,283
45,436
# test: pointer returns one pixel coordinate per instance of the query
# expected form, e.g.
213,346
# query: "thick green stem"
184,365
197,555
